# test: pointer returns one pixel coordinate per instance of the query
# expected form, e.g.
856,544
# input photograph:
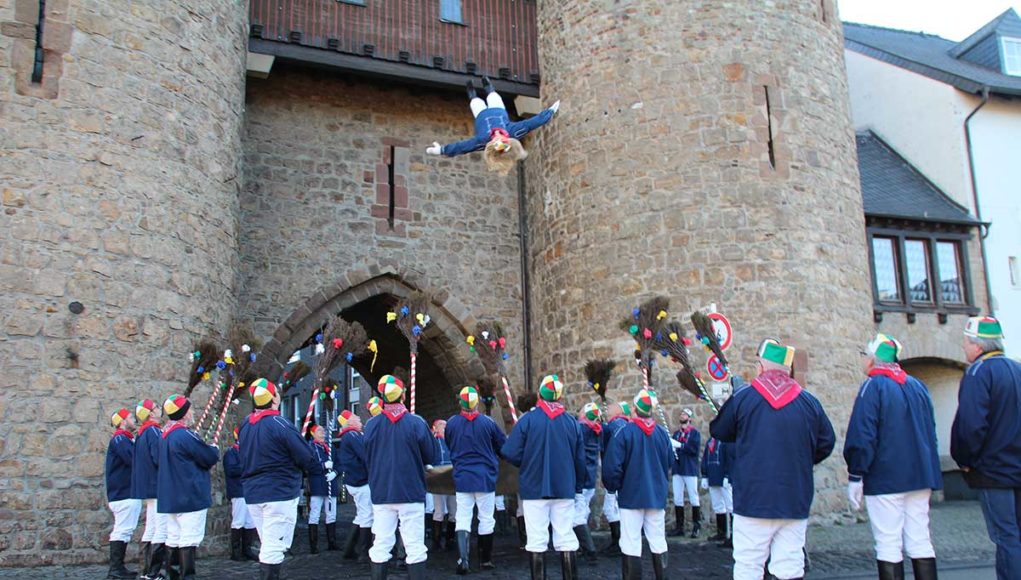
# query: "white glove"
434,149
676,444
555,107
330,476
428,467
726,483
705,484
328,465
855,491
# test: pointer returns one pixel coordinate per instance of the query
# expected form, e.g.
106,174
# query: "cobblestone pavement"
836,551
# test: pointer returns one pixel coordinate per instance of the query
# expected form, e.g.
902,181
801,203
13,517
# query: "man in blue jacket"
321,491
685,478
119,458
398,446
780,431
273,457
546,445
986,438
475,441
143,486
637,468
183,491
892,460
591,435
350,454
716,460
242,527
620,416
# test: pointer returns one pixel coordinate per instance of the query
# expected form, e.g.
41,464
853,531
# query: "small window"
885,256
948,256
1012,56
1015,272
916,259
918,271
450,11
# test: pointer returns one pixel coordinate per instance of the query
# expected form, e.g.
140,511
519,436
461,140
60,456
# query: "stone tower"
120,164
703,151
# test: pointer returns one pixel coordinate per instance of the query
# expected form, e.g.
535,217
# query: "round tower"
121,171
704,151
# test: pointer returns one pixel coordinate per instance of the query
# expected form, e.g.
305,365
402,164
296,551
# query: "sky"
951,19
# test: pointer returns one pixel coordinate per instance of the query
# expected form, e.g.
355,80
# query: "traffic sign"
724,332
715,368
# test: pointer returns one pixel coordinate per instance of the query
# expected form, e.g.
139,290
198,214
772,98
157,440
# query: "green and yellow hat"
551,388
885,348
144,408
390,388
645,402
983,327
771,350
468,398
625,408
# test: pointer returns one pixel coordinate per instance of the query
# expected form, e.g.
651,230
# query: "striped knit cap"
468,398
390,388
550,389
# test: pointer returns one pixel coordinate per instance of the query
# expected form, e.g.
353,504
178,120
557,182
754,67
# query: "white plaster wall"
943,382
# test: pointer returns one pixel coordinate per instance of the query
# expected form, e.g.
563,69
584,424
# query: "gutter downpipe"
526,314
984,227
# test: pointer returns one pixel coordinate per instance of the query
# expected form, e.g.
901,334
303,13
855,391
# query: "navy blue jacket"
120,453
549,453
591,444
986,435
442,452
774,452
686,457
475,450
716,462
891,437
317,484
618,422
637,467
273,456
397,453
232,472
350,458
185,461
145,465
495,118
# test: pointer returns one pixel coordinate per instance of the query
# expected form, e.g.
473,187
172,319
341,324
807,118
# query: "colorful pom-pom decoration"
673,337
245,348
337,343
200,370
416,330
349,357
633,329
404,311
661,315
221,365
391,316
251,356
470,340
636,311
506,356
492,344
502,342
647,334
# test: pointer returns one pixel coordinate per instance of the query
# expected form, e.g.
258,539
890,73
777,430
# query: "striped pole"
308,414
414,356
223,413
510,398
209,405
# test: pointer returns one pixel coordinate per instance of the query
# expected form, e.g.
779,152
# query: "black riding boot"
612,548
631,567
659,563
486,552
174,563
471,91
487,85
350,544
501,522
537,565
269,571
522,535
678,522
146,554
157,558
248,538
313,538
569,565
890,570
729,542
187,556
696,521
721,529
462,552
437,533
331,537
924,568
588,547
364,543
416,571
378,571
235,545
450,535
117,568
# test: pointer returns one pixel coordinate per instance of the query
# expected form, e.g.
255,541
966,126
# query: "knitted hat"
885,348
344,417
774,352
645,402
468,398
144,408
375,406
591,411
117,418
176,407
625,407
551,388
262,392
983,327
390,388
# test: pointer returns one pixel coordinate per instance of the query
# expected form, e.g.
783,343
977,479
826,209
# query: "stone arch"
942,376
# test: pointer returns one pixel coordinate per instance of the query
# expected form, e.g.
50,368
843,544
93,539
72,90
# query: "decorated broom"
490,344
411,317
293,376
203,363
238,368
340,342
645,325
598,373
487,390
706,333
674,344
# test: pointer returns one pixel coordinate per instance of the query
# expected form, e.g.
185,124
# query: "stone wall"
703,151
120,177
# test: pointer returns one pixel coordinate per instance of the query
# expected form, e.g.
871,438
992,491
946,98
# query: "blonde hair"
503,161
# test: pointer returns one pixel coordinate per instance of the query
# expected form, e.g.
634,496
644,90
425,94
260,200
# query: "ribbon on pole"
308,414
414,358
223,413
510,398
209,405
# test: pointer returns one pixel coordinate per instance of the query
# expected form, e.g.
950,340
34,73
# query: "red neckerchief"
597,427
171,427
258,415
777,387
394,411
712,445
124,433
470,415
236,447
552,410
890,370
347,430
146,425
682,433
646,424
323,445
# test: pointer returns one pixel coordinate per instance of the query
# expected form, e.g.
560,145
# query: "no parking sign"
715,368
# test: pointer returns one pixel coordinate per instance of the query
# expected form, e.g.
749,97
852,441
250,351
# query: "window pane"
917,261
450,10
887,287
1012,56
950,272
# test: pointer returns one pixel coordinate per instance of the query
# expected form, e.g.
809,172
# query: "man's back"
273,456
986,435
550,454
396,452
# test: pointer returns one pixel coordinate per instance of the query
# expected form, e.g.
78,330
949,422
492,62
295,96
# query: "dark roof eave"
968,222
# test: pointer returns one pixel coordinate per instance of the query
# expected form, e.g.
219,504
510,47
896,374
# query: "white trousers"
363,505
155,524
610,508
581,506
444,506
539,514
682,483
125,518
722,499
239,514
466,501
316,505
500,505
275,522
429,507
781,541
385,520
493,100
186,530
900,523
633,522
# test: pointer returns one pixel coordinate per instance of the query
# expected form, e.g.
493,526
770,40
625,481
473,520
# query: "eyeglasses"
863,353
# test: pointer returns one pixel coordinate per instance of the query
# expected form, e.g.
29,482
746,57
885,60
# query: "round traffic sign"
715,368
724,332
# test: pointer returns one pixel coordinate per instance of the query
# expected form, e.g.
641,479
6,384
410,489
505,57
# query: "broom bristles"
703,325
209,354
416,303
297,372
598,373
648,318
